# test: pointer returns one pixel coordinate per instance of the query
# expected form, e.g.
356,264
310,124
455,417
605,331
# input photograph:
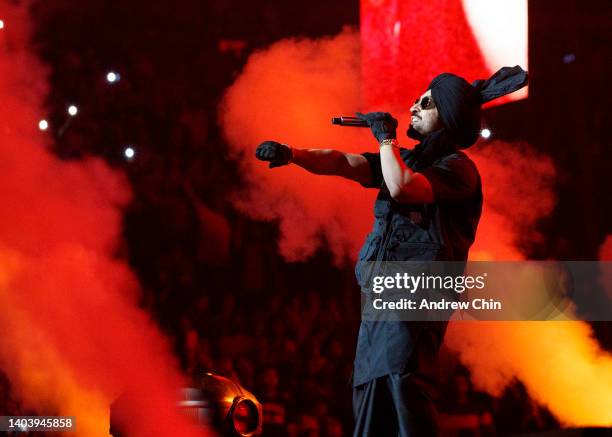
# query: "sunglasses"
425,103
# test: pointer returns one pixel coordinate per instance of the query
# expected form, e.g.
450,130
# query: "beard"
412,133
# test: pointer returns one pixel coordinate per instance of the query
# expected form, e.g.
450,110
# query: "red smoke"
560,363
289,92
73,337
512,205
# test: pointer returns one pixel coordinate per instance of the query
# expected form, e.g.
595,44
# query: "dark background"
175,60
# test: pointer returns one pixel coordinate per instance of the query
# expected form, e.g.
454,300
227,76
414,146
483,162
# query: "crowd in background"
211,277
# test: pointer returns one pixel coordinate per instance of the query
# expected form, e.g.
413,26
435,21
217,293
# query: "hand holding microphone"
382,124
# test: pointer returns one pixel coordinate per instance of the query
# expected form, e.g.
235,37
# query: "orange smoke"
73,337
288,93
517,186
560,363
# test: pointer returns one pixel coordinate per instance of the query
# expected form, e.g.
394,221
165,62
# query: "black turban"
459,103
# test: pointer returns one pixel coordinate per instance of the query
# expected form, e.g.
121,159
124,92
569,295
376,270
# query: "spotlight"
112,77
72,110
1,24
485,133
43,125
129,152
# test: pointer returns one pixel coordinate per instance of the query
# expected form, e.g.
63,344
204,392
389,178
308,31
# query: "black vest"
403,232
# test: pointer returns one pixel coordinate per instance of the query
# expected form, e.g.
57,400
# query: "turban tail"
459,103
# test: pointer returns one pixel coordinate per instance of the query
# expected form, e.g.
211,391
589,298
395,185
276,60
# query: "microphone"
349,121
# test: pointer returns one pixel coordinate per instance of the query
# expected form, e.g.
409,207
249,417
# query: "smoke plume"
560,363
512,204
288,93
73,338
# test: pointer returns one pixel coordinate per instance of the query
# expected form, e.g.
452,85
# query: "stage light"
485,133
72,110
43,125
1,24
129,152
112,77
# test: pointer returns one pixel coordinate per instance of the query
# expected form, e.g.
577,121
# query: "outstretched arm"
334,163
318,161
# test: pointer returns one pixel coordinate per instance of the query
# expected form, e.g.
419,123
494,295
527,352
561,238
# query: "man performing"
427,209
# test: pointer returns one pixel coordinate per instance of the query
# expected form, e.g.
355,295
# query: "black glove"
278,154
383,125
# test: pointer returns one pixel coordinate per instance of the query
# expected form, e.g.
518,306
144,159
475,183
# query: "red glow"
435,36
72,336
406,43
314,80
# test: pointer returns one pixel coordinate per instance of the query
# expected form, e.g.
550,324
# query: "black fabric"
436,145
394,405
382,124
453,178
457,207
443,230
394,354
452,174
505,81
459,102
391,356
373,159
458,106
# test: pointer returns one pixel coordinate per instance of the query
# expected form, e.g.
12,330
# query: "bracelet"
389,142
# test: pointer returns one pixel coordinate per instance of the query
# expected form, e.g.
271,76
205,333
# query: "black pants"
394,406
